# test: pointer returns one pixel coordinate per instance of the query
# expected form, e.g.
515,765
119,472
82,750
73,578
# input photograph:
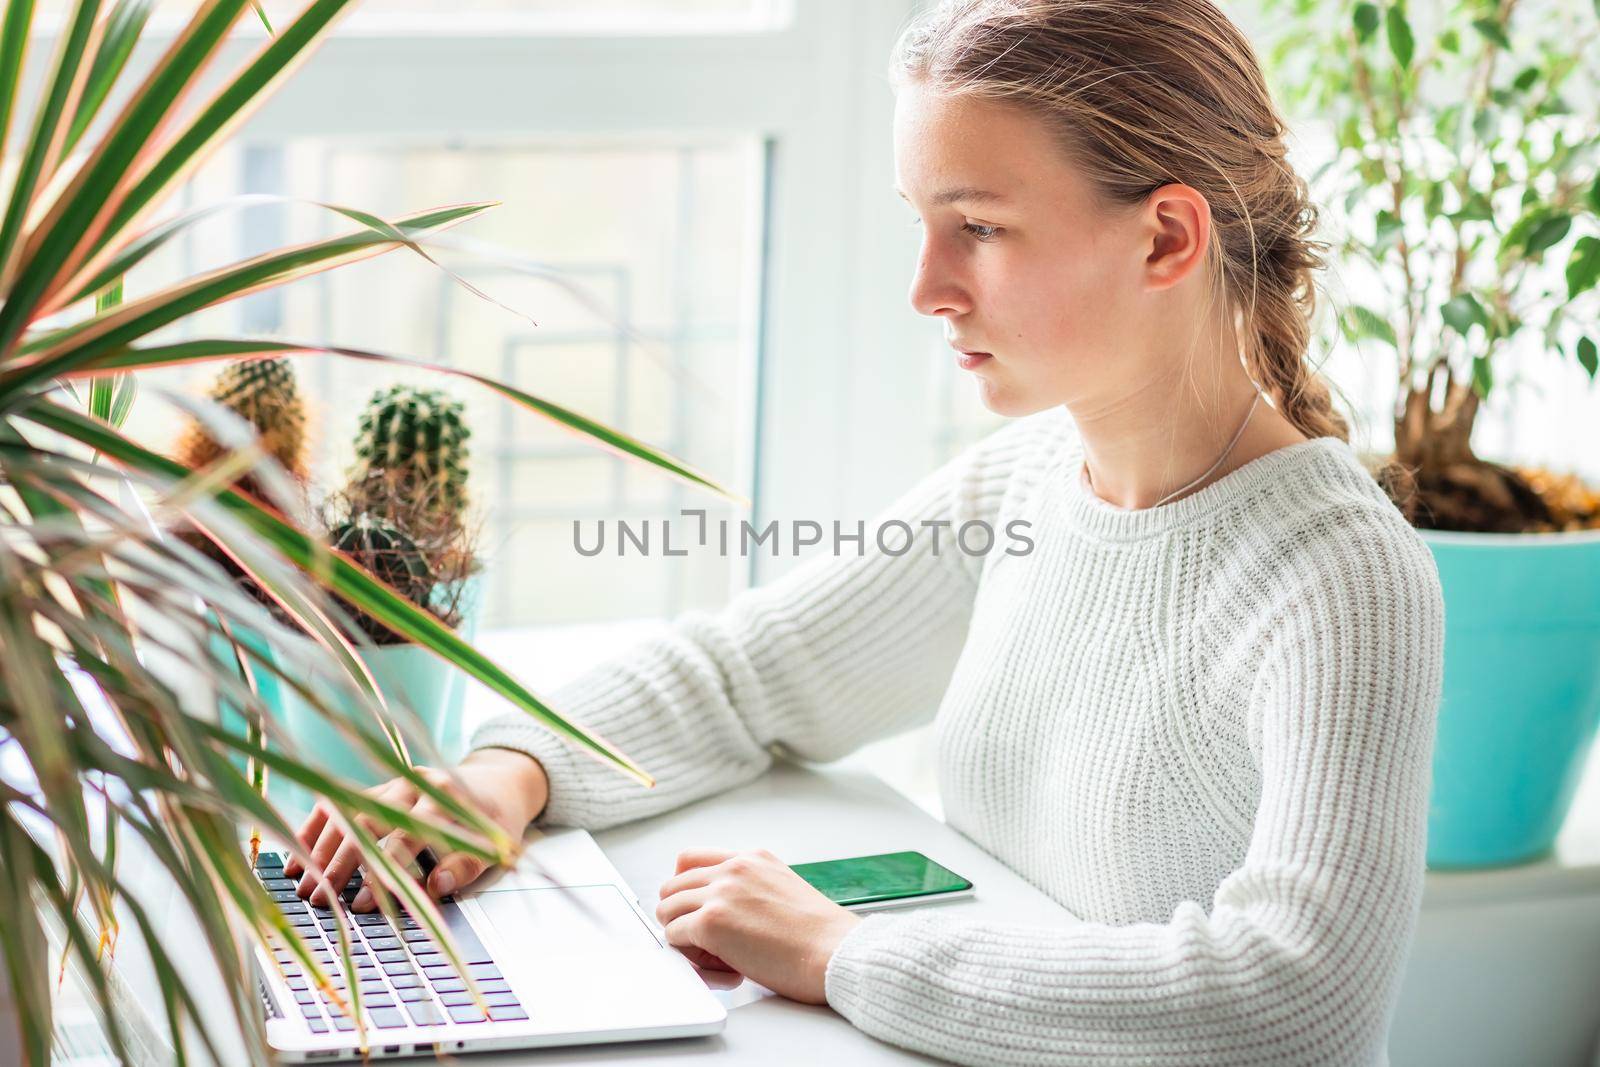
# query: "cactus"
411,458
388,553
264,393
402,515
429,579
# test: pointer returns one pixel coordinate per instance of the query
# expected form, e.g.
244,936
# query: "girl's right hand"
509,787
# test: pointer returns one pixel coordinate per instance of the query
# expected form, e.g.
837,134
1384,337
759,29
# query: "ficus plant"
1466,138
109,693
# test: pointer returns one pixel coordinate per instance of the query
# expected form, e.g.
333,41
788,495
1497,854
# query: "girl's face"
1020,259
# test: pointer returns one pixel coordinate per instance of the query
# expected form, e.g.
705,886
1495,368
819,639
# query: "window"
717,195
655,239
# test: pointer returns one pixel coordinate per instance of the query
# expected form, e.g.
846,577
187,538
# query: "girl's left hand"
748,912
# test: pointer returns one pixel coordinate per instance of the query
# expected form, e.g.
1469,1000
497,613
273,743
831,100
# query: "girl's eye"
977,229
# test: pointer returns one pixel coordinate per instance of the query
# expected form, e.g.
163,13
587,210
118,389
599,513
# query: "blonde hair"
1144,93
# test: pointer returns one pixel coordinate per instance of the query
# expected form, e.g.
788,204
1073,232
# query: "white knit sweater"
1205,728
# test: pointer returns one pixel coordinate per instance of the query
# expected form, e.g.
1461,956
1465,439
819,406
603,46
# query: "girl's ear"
1176,223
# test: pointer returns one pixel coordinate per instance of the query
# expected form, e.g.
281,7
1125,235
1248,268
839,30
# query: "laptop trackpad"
564,919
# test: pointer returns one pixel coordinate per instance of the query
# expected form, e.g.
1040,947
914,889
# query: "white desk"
1502,977
1505,968
801,814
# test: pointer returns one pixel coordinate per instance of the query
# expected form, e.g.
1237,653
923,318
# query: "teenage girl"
1198,714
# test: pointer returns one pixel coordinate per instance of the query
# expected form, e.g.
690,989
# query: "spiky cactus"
391,556
403,512
411,459
428,570
266,394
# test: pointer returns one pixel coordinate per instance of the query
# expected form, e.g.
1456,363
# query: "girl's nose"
935,289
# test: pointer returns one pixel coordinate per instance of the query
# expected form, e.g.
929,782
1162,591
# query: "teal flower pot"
267,684
273,693
1521,692
406,675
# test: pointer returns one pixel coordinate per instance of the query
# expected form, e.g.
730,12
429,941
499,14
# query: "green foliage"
1401,43
1462,312
1360,322
87,564
1583,269
1466,167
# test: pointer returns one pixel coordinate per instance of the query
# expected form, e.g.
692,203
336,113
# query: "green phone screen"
891,876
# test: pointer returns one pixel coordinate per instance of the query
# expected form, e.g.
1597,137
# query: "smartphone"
890,880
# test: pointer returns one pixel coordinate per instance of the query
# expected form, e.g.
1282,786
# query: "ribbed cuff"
849,980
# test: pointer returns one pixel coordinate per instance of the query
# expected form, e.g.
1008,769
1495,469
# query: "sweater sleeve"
841,650
1299,958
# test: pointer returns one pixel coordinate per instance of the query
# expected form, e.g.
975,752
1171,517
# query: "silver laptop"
559,946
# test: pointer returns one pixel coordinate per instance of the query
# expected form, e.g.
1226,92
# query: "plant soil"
1473,495
1439,483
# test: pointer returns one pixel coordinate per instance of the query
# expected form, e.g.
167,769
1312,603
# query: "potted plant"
1465,163
264,394
97,597
403,516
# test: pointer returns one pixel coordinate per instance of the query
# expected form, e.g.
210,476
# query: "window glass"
591,244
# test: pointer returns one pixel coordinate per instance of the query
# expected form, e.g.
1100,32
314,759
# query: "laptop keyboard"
405,978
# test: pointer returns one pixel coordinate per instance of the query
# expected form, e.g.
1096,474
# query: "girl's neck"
1147,446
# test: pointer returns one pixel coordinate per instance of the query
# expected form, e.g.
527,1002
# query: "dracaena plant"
102,737
1466,141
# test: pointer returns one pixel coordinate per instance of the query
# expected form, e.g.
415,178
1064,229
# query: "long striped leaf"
595,432
22,942
50,127
14,26
490,842
75,221
270,574
122,400
339,575
102,391
136,251
161,836
314,619
22,849
61,351
123,27
163,584
235,102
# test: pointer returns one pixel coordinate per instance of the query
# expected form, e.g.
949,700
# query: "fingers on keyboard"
339,869
386,961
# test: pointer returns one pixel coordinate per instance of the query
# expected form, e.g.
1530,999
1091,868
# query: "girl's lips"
968,360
